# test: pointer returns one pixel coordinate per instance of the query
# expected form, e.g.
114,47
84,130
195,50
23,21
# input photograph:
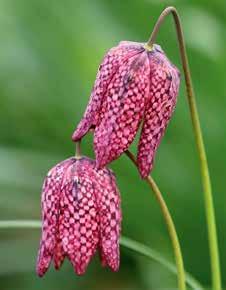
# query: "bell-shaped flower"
80,214
134,84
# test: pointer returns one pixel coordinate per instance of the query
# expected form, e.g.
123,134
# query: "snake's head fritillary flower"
134,83
80,214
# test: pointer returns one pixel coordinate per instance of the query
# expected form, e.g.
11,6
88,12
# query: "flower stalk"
170,226
208,199
78,149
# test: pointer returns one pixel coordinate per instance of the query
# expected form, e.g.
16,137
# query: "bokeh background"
49,55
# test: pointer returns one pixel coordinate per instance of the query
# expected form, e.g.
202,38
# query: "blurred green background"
49,55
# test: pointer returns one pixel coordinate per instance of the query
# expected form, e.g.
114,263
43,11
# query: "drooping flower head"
133,84
80,214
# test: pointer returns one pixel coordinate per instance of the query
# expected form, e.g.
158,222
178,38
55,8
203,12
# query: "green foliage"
49,54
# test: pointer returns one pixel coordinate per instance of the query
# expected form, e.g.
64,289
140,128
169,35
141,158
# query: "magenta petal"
59,254
110,218
75,197
113,59
79,223
163,95
50,213
123,109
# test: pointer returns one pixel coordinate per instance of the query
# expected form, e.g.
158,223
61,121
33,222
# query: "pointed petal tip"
41,269
115,267
58,262
110,262
40,274
82,128
73,137
113,264
78,271
76,136
43,260
79,267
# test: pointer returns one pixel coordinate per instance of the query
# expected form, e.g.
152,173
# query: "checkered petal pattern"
162,101
114,58
80,214
134,84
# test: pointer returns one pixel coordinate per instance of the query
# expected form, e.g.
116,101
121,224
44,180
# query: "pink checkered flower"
80,214
133,84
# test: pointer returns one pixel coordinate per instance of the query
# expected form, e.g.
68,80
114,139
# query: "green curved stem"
170,225
124,241
156,256
208,199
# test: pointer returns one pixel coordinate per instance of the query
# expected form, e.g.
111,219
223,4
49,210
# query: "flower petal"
110,218
113,59
59,253
50,214
79,219
123,109
163,95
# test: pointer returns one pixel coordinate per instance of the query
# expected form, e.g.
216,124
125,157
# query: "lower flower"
80,214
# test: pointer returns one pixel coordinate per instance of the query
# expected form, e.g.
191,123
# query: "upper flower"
80,213
133,84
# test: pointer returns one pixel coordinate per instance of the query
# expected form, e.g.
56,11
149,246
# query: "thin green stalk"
208,199
124,241
78,149
156,256
20,224
170,225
